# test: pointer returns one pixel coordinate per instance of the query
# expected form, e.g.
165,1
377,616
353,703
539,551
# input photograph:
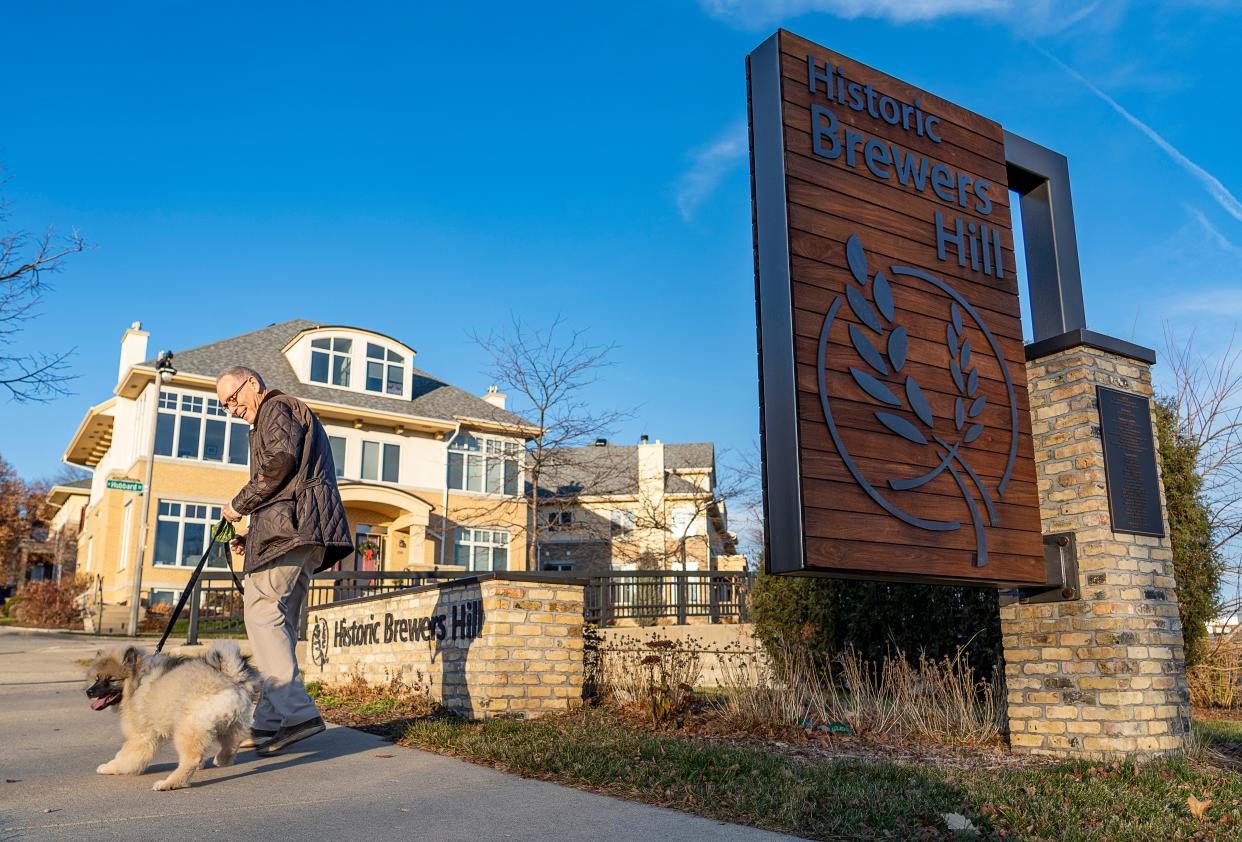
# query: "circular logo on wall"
922,383
319,642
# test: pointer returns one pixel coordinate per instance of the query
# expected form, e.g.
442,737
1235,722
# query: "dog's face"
106,677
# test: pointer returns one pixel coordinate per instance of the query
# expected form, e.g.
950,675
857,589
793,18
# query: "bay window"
191,426
479,463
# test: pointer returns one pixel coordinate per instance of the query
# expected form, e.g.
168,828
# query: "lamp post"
164,372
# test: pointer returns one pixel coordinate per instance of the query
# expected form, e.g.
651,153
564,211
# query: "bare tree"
1207,396
26,261
21,511
549,373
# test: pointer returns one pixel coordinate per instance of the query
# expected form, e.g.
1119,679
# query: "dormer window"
330,360
385,370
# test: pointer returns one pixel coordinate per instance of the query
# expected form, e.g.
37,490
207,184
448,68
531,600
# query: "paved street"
345,785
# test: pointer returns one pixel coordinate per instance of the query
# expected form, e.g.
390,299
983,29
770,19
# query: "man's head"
241,390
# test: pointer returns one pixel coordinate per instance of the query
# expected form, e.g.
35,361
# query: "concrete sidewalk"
343,785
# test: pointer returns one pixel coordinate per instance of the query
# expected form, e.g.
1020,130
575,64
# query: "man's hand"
238,545
230,514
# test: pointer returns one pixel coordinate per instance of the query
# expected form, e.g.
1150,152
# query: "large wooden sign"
895,421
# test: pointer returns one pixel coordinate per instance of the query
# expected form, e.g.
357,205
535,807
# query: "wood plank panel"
891,430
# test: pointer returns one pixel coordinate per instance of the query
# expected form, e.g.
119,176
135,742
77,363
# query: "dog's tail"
225,656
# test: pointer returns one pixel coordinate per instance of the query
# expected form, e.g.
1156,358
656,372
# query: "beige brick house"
650,506
414,456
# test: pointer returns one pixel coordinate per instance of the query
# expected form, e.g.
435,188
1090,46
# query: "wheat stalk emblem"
876,312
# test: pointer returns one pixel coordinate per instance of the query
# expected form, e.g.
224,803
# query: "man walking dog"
297,528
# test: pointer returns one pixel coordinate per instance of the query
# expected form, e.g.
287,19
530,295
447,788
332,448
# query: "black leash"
222,533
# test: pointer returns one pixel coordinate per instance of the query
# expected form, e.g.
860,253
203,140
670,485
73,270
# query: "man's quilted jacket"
291,498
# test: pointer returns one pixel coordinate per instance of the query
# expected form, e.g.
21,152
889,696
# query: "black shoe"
290,734
257,737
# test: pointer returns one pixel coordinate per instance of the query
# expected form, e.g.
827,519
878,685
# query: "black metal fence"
640,597
645,596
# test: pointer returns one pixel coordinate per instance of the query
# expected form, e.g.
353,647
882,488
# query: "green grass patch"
1219,731
845,798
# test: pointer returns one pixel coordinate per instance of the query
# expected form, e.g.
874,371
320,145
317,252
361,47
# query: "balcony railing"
622,597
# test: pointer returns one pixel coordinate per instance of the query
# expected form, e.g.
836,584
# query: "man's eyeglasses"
231,400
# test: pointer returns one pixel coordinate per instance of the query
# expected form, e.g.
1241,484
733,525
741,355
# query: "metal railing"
215,609
648,596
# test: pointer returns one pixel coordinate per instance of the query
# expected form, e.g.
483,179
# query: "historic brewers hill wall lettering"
462,623
896,426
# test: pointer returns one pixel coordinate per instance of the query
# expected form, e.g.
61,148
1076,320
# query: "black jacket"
292,497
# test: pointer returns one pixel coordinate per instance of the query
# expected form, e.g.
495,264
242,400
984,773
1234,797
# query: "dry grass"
936,699
656,676
387,709
1215,682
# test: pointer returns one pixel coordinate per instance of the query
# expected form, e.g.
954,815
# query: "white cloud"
708,167
1210,182
1031,15
1214,233
1225,302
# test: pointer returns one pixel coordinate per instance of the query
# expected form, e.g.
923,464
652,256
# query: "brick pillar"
1102,676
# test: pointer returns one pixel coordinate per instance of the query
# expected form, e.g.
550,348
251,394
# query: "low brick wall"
732,643
499,644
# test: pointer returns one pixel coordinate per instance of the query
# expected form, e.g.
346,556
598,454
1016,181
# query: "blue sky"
430,171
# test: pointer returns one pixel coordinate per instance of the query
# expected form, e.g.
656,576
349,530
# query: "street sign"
125,485
895,421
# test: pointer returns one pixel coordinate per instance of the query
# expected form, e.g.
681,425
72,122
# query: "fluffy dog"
192,701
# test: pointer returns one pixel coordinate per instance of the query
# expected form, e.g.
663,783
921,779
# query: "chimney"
642,439
133,349
650,471
495,397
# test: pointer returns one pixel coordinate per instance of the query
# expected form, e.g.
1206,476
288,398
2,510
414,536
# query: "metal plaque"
1130,463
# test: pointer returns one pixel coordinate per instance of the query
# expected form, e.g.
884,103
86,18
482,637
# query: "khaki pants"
273,602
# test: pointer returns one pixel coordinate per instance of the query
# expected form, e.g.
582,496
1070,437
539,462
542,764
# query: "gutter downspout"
444,506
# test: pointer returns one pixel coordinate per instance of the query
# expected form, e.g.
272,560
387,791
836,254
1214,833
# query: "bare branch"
24,265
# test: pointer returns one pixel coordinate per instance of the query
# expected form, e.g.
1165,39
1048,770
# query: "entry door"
369,550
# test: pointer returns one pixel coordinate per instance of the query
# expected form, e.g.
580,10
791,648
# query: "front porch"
390,530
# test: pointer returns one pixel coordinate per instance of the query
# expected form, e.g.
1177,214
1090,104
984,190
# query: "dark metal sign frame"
1040,177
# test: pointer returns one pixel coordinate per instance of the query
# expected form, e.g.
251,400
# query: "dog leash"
221,533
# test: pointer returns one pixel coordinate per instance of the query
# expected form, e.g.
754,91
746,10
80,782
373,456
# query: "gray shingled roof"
261,350
612,469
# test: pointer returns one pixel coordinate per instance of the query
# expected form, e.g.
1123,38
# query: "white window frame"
621,523
340,467
386,362
332,354
179,405
690,529
210,517
490,451
473,537
558,566
175,592
382,447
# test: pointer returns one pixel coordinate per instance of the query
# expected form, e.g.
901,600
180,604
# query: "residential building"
430,474
650,506
48,551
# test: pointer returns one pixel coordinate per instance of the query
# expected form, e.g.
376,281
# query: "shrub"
874,618
1197,565
51,603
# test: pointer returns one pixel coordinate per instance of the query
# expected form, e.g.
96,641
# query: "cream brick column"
497,644
1102,676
